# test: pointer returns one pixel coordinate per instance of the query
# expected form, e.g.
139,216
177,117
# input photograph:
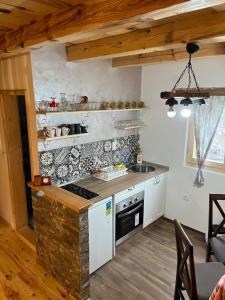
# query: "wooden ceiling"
113,28
16,13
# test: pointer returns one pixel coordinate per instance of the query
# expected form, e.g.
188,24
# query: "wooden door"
13,197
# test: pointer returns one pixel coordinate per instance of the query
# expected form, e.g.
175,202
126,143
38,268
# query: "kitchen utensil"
65,131
49,132
77,128
72,128
83,129
58,131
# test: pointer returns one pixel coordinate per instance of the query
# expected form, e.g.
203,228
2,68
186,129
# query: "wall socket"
186,197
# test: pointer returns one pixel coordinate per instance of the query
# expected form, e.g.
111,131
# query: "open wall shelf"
87,111
46,139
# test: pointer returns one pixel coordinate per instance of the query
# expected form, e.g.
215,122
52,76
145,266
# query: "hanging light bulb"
171,102
171,112
186,111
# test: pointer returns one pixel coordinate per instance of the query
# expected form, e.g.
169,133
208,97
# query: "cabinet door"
100,234
149,205
159,195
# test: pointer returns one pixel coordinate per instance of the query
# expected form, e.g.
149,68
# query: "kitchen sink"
142,168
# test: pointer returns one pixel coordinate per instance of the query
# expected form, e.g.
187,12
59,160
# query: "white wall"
52,74
164,140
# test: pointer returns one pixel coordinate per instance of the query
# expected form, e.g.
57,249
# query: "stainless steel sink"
142,168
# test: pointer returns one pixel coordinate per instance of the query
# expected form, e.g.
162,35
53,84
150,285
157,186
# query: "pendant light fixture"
186,102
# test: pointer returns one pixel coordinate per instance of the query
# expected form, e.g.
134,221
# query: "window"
216,156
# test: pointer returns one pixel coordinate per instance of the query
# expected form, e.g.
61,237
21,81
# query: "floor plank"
144,266
143,269
21,278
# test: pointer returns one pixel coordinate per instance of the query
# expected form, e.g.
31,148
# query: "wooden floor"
21,278
143,269
144,266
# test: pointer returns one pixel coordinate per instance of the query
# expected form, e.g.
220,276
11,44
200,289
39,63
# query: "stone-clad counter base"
62,244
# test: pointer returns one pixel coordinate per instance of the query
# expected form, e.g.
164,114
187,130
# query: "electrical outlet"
186,198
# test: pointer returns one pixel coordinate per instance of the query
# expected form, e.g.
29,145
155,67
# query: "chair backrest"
185,263
213,229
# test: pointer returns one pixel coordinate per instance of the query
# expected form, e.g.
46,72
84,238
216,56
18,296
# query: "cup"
49,132
83,129
58,132
65,131
77,128
72,128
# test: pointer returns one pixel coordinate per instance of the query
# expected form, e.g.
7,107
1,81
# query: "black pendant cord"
179,79
190,72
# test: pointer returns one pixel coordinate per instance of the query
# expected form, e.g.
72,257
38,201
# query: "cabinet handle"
40,194
132,188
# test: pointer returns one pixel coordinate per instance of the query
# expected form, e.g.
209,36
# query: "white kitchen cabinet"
155,196
100,234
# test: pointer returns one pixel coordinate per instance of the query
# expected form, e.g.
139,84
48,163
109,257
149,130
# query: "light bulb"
171,112
186,112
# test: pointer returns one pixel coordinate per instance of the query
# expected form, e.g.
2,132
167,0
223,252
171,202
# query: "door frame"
18,202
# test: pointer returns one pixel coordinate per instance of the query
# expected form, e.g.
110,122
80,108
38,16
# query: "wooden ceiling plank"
170,33
84,15
168,55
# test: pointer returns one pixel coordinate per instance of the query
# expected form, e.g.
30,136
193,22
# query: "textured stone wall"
62,244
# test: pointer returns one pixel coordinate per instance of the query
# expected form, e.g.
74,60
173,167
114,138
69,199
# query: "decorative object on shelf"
80,160
53,104
141,104
187,95
41,180
130,124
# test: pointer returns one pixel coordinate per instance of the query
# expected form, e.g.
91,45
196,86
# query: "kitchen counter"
104,189
74,202
108,188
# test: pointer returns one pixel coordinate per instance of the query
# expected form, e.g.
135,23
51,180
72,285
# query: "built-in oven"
129,216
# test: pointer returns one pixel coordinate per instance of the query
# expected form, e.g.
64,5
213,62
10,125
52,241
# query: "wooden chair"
198,280
215,243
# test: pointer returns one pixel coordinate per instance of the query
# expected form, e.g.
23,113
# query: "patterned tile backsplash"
73,163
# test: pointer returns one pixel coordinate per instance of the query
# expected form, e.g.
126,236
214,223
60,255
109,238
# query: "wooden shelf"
87,111
130,127
45,139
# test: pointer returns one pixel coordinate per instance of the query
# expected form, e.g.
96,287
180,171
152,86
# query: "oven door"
128,220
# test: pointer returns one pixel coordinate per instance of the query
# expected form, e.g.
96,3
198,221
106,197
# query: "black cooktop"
75,189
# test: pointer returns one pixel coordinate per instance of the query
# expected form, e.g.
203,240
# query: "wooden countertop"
106,189
102,188
75,202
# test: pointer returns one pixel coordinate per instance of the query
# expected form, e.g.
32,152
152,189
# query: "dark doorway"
26,155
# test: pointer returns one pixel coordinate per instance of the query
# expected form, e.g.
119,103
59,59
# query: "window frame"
190,160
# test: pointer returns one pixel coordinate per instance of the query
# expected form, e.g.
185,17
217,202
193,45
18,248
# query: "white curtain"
206,121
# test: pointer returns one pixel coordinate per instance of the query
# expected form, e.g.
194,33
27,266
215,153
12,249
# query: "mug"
65,131
72,128
49,132
83,129
58,131
77,128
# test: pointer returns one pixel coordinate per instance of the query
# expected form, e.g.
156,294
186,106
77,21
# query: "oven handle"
130,212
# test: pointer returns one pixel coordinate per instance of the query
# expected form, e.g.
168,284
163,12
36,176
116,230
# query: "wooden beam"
204,93
173,32
168,55
82,16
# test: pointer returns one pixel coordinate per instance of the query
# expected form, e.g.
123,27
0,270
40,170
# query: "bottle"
139,155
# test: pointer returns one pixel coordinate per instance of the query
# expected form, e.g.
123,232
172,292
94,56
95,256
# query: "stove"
77,190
